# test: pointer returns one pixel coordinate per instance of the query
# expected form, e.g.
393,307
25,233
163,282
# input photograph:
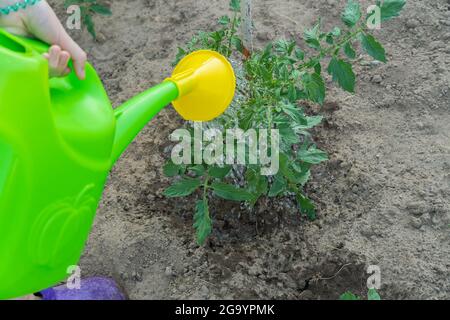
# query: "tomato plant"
273,86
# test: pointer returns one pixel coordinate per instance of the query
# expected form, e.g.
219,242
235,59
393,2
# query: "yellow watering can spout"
206,83
201,89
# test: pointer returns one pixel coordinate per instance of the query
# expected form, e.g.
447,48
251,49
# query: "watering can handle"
36,45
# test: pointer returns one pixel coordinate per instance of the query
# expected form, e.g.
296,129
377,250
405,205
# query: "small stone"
169,272
136,276
415,209
204,291
412,23
377,78
182,288
263,36
416,223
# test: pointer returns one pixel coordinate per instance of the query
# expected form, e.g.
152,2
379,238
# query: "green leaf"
278,186
391,8
288,135
229,192
235,5
349,51
101,9
68,3
182,188
349,296
342,73
171,169
292,175
237,43
257,185
303,174
219,172
90,25
336,31
199,170
312,155
311,36
314,87
306,206
224,20
373,295
312,122
373,47
352,13
202,221
299,54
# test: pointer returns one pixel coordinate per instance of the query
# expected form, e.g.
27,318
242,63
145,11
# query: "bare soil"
383,198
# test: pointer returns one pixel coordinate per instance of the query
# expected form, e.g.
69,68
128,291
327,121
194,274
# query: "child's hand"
41,22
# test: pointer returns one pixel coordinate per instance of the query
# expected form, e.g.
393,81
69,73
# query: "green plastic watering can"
59,138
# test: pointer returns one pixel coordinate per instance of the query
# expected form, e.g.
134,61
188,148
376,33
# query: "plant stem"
231,34
332,49
206,188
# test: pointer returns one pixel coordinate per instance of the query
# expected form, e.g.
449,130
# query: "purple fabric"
91,289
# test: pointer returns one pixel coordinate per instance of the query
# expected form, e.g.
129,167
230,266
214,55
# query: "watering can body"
59,139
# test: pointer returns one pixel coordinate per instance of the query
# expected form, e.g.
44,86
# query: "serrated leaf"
257,185
336,31
202,221
349,51
312,155
90,25
314,87
224,20
299,54
237,43
235,5
306,206
349,296
342,73
352,13
288,135
278,186
101,9
391,8
182,188
311,36
68,3
199,170
171,169
287,170
373,47
312,122
373,295
229,192
219,172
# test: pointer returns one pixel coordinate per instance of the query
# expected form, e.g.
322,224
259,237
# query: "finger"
66,72
54,53
63,60
79,57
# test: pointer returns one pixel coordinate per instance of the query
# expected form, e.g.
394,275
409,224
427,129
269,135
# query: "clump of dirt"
383,197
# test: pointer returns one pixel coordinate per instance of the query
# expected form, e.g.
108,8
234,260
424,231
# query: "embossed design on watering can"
58,140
